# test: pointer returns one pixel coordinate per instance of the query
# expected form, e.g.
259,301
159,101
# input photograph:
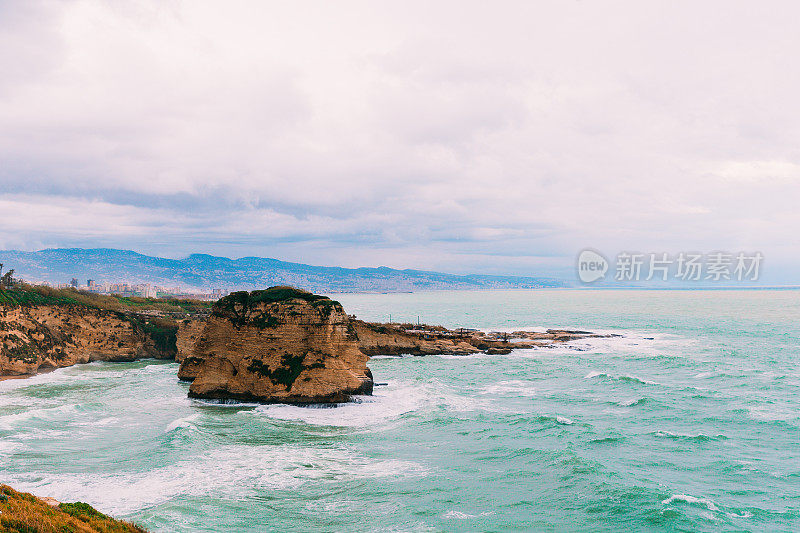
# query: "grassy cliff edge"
21,512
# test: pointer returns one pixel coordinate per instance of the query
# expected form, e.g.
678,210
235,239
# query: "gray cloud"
457,136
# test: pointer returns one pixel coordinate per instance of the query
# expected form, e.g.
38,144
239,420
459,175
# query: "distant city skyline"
460,137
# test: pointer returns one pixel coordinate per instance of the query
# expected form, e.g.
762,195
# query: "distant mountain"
204,272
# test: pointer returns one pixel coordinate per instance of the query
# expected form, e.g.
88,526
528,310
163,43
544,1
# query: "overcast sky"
495,137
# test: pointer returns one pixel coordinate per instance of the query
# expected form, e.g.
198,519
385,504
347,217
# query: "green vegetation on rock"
139,312
287,373
28,295
21,512
237,306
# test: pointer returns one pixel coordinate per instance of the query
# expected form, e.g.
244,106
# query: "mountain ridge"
205,271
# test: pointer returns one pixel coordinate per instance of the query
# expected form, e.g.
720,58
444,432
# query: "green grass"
28,295
163,331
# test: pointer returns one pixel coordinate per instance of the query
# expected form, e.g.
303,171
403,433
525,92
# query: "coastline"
670,385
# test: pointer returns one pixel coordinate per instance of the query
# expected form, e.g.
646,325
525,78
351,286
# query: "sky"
468,137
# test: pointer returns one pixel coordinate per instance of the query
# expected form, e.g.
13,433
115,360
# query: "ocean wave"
384,408
607,440
458,515
625,378
700,437
228,471
47,413
511,387
627,344
8,447
632,402
710,505
711,509
546,419
185,422
772,414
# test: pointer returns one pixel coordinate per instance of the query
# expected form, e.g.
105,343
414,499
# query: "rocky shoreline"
421,339
278,345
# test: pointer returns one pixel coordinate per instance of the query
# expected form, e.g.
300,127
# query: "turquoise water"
689,421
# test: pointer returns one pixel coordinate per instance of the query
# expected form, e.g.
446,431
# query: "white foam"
564,420
458,515
699,436
230,471
631,377
185,422
512,388
383,409
711,506
630,402
770,414
48,413
8,447
623,377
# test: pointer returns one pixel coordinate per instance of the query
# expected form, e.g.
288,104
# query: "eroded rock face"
279,345
379,339
43,337
189,331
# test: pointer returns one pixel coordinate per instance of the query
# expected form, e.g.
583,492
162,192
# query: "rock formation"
421,339
43,337
189,331
279,345
384,339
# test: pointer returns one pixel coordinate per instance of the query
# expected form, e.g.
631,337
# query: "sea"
688,420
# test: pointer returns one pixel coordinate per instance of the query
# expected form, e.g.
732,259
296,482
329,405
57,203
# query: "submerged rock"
279,345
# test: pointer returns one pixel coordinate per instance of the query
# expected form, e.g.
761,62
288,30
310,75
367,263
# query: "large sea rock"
279,345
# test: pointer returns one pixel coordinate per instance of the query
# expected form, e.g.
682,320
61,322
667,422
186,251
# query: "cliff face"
277,345
189,331
378,339
43,337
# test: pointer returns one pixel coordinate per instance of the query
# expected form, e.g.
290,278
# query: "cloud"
457,135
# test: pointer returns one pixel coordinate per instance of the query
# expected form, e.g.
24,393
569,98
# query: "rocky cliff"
280,345
189,331
383,339
42,337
